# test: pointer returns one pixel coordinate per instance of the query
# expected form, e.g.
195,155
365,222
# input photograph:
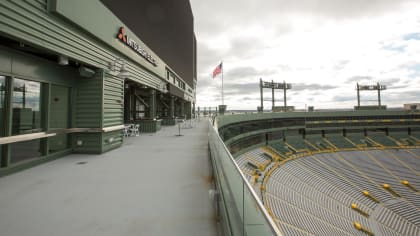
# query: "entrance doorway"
59,117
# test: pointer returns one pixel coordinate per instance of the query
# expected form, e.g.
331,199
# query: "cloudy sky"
322,47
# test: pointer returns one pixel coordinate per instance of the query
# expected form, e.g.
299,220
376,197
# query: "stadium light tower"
271,85
377,87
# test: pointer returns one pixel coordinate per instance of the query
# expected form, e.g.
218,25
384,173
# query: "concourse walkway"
155,184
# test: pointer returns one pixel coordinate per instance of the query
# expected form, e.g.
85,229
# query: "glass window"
26,107
2,97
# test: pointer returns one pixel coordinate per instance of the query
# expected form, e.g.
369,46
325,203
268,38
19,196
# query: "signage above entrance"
123,37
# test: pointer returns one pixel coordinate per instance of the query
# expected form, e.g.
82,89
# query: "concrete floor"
155,184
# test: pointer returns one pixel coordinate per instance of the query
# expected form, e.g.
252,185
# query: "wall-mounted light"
63,60
111,65
123,72
86,72
163,87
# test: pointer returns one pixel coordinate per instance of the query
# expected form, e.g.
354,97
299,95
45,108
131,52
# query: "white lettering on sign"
135,46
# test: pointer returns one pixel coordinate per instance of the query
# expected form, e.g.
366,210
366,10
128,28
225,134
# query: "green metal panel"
88,102
111,140
105,26
5,62
87,143
113,110
59,107
150,126
113,101
87,113
29,21
59,116
225,120
34,68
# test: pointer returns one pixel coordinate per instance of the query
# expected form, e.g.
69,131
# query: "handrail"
260,205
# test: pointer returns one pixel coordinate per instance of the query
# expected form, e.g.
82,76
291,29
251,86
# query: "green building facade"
71,75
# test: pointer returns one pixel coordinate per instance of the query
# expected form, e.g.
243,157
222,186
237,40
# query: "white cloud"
306,43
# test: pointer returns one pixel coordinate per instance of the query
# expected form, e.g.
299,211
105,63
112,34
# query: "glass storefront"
26,119
2,97
26,107
26,113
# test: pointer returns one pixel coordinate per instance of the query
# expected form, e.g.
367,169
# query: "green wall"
30,22
113,101
99,103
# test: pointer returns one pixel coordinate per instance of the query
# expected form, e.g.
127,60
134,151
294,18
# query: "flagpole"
223,100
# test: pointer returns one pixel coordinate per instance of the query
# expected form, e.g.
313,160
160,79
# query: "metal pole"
358,95
379,95
261,93
272,95
284,98
223,100
24,96
172,107
152,105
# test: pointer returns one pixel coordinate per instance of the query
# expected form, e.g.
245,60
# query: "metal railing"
239,208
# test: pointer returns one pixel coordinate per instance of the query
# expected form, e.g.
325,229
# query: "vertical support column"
182,104
284,98
126,102
133,104
261,95
358,95
152,105
8,109
187,106
172,107
379,95
272,95
45,118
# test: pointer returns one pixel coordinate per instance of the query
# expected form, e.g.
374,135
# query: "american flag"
217,70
